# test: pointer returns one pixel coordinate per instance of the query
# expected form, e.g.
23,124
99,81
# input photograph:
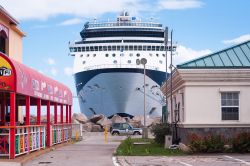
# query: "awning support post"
12,124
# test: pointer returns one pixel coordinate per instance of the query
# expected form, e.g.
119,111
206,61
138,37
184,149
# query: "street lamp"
143,61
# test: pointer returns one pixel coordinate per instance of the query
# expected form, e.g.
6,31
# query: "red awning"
21,79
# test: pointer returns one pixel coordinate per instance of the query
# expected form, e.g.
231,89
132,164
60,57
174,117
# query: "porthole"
160,61
115,61
94,55
163,55
81,55
137,54
131,54
113,55
107,55
87,55
157,55
83,62
150,54
129,61
122,54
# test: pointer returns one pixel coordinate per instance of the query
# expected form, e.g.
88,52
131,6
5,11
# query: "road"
92,151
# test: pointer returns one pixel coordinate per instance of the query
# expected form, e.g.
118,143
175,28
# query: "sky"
199,27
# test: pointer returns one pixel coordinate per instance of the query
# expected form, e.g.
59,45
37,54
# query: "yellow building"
10,36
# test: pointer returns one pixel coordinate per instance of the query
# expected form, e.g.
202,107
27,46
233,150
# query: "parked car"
124,129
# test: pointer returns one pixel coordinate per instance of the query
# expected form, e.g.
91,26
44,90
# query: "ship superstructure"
108,80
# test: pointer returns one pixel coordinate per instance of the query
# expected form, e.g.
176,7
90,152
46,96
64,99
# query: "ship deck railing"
119,24
131,66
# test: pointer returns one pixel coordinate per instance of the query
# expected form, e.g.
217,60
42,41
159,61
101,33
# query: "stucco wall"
204,104
14,48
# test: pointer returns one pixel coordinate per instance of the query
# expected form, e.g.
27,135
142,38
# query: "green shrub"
241,143
159,131
209,144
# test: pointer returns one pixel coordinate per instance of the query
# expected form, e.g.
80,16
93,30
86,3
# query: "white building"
211,94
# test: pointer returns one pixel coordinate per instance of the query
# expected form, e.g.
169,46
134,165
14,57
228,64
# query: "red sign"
6,75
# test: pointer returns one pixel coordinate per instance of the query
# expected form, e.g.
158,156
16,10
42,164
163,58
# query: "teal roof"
237,56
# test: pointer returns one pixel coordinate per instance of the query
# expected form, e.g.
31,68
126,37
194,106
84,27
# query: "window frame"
225,116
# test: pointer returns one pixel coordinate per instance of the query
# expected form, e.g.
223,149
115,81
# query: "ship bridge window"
83,49
126,48
113,55
96,48
109,48
144,48
153,48
104,48
94,55
129,61
107,55
137,54
87,48
100,48
131,54
75,49
71,49
91,48
130,48
162,48
157,48
149,48
118,48
115,61
135,48
139,48
79,49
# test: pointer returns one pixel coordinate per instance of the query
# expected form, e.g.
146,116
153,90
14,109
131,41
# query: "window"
137,54
113,55
104,48
163,55
230,105
115,61
87,55
94,55
100,48
83,62
107,55
83,49
113,48
131,54
144,48
157,55
81,55
129,61
160,61
150,54
96,48
79,49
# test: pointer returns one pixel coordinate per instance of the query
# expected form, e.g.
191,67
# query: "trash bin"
168,141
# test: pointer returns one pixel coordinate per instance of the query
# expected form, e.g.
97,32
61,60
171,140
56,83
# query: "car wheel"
115,133
136,133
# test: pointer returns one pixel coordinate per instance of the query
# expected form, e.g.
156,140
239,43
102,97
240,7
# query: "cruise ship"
108,80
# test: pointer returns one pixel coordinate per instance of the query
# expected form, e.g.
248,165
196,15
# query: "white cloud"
54,71
185,54
50,61
43,9
237,40
180,4
68,71
73,21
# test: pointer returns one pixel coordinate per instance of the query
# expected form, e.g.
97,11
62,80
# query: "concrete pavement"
92,151
192,160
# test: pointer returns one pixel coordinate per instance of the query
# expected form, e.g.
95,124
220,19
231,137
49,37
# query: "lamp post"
143,61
